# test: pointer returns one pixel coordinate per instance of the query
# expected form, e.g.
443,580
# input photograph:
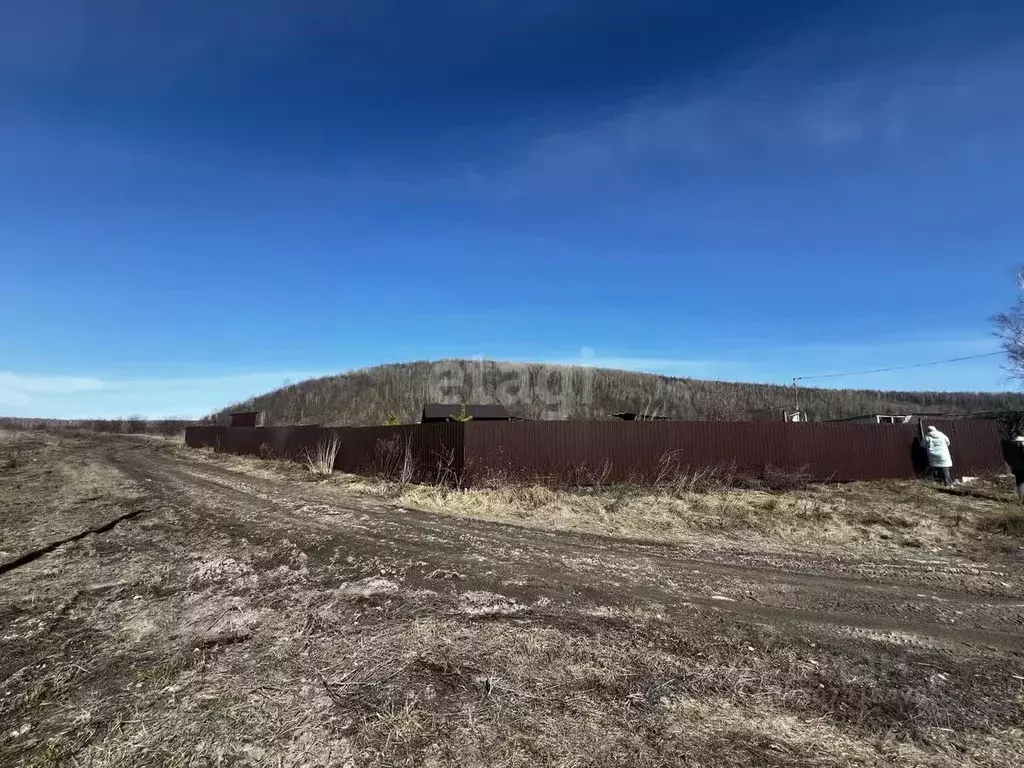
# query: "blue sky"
200,201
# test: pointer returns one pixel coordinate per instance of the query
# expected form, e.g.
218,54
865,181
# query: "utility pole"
796,396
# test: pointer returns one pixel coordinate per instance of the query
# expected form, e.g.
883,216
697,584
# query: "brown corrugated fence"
428,452
563,451
622,451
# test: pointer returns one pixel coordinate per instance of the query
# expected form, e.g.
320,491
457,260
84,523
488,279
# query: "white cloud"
93,397
781,105
19,390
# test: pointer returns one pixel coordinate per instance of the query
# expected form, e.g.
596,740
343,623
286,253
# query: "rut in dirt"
53,546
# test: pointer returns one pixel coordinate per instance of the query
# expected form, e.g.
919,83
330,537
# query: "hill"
537,391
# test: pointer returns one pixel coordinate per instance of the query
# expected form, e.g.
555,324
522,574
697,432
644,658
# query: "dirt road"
913,658
924,600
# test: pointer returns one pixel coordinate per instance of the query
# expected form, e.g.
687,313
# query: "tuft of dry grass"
320,461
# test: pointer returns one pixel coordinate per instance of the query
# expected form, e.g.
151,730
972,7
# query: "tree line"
398,392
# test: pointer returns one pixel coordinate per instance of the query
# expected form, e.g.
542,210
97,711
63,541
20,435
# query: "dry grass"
693,507
631,690
876,515
1009,523
320,461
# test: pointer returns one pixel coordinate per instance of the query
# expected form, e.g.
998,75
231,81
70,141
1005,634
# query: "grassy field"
248,615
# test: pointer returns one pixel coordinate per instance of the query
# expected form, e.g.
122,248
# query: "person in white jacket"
937,445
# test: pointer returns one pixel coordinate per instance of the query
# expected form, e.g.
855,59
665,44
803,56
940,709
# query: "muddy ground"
206,614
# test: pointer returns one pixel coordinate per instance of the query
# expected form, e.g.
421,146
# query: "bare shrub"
449,475
1010,330
408,471
590,478
320,461
707,479
782,479
722,403
133,425
494,475
676,478
673,476
393,459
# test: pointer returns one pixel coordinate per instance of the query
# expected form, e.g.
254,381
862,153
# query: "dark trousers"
945,474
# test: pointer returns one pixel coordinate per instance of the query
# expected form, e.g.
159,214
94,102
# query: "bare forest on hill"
398,392
133,425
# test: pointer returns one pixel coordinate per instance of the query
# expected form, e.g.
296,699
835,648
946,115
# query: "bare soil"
166,607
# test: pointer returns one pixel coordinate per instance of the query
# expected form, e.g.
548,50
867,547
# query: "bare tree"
722,403
1010,330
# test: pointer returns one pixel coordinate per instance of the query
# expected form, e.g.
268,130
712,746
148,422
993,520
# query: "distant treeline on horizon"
133,425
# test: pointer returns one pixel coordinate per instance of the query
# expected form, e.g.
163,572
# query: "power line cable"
896,368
